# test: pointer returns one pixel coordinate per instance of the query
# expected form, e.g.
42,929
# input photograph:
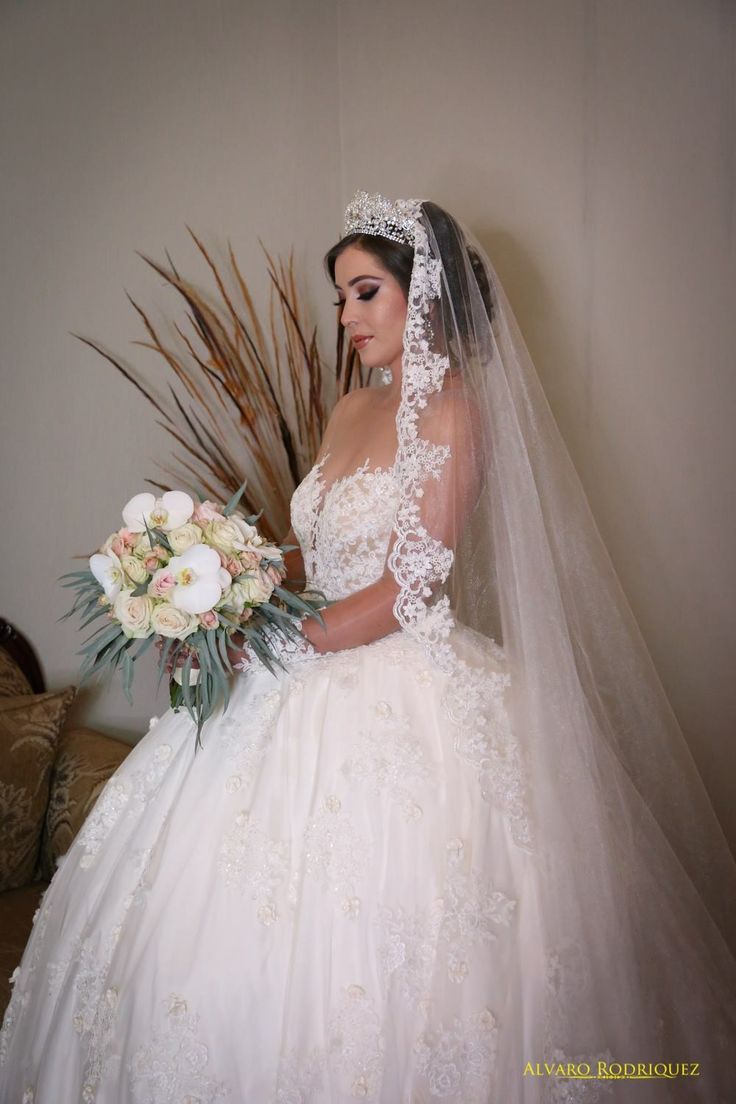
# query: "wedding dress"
459,863
319,905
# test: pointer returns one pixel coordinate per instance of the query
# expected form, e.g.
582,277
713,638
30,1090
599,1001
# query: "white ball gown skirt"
299,911
330,901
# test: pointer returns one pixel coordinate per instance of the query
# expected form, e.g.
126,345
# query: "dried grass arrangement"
245,400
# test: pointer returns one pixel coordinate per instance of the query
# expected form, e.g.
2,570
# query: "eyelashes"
364,295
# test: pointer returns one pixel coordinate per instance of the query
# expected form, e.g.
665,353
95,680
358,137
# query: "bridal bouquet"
189,575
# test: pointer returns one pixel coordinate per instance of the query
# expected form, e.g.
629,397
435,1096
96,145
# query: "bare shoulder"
348,409
356,400
352,405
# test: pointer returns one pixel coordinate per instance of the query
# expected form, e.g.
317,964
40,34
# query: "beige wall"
590,145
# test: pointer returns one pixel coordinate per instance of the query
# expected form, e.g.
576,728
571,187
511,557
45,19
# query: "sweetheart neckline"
316,471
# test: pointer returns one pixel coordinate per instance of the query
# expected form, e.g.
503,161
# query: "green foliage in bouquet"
133,611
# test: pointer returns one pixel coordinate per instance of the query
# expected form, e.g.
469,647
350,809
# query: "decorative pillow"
85,760
29,729
12,679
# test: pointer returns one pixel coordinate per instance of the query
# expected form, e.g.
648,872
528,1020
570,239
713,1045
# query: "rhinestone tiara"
374,214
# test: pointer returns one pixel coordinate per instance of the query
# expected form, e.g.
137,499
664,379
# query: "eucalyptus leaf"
163,540
99,638
186,685
233,503
222,648
127,676
167,646
93,617
145,645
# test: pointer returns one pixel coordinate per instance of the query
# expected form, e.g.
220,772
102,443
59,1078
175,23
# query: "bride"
456,849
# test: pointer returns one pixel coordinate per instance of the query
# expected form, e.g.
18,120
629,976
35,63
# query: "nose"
349,314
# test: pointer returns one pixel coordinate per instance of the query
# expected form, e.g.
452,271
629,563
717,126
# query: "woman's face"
373,307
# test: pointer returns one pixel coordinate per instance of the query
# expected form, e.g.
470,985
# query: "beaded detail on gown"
334,899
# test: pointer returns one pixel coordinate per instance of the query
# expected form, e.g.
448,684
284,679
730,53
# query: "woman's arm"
360,618
449,420
294,564
447,502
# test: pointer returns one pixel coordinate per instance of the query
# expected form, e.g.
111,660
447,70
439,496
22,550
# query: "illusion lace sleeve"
371,613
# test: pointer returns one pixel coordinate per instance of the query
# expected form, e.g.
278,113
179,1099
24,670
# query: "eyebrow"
355,280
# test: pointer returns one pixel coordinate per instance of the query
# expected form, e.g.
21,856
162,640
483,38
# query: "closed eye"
364,295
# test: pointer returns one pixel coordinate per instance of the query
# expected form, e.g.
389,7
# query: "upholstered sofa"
50,777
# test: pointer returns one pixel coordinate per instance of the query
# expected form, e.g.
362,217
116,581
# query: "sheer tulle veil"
495,545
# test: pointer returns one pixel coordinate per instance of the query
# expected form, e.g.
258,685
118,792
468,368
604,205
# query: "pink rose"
151,563
249,560
123,541
161,583
206,511
231,564
275,575
209,620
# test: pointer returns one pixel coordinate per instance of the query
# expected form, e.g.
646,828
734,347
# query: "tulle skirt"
335,898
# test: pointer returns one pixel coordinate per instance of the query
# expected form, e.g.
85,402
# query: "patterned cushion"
84,762
17,907
12,679
29,729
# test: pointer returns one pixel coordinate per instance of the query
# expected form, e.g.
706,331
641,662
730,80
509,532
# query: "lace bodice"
344,529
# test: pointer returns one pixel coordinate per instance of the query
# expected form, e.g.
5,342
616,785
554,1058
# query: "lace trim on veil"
418,560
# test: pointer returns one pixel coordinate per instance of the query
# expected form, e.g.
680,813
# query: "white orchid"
199,579
108,571
172,510
178,572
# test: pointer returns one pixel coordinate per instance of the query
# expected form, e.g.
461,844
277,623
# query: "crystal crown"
374,214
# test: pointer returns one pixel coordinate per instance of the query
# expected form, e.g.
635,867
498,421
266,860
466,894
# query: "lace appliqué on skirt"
250,859
389,759
172,1067
458,1061
353,1053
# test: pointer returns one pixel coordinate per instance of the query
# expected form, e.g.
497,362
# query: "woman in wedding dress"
458,835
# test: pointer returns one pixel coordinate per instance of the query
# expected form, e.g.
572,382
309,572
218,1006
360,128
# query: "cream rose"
106,547
134,614
144,549
270,552
223,535
184,537
232,599
256,588
249,535
134,569
242,594
167,620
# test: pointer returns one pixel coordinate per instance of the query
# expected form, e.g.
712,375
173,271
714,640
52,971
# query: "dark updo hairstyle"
394,256
398,259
